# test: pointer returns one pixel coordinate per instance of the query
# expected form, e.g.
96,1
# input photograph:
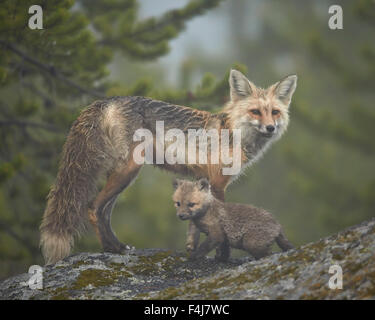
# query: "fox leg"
223,252
260,253
218,191
256,249
283,242
94,222
193,236
108,243
218,184
101,209
108,238
204,248
193,233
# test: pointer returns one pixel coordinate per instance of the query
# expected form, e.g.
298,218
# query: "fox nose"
183,216
270,128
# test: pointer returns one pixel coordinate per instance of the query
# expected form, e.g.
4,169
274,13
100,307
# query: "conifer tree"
47,76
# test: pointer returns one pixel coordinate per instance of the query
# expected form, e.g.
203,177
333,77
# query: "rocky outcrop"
302,273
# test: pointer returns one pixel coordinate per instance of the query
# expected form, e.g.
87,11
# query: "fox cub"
235,225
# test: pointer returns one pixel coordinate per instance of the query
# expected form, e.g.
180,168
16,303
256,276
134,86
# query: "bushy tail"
283,242
83,158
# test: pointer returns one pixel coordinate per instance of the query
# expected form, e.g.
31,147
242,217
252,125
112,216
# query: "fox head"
265,110
191,199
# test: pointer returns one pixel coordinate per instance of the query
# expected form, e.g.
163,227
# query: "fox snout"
184,215
270,128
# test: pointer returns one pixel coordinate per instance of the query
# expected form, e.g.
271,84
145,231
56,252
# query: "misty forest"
318,179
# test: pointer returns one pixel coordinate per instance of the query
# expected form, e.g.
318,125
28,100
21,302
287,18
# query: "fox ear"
285,88
240,86
176,183
203,184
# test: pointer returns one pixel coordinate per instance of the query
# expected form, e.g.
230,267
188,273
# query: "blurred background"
318,179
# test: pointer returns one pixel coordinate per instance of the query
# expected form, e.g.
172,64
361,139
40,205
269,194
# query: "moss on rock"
301,273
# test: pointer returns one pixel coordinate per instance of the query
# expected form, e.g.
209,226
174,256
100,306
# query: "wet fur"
100,142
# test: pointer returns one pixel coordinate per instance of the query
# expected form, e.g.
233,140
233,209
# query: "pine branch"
24,123
148,39
25,242
51,70
48,102
176,17
340,131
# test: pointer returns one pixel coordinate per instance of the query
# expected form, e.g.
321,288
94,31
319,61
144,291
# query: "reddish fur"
100,141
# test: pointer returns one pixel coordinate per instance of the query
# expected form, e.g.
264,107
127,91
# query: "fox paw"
117,247
190,248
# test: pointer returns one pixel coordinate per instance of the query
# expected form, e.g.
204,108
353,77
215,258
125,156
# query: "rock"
302,273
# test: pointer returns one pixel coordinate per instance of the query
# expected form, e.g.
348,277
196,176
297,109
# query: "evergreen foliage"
46,77
316,180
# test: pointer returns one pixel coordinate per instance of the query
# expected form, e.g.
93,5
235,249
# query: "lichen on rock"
302,273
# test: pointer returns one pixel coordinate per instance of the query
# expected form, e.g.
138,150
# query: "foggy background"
318,179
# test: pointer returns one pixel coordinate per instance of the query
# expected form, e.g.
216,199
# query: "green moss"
146,265
210,288
236,283
60,294
368,292
158,262
278,275
95,277
321,294
227,284
142,296
353,267
120,269
79,263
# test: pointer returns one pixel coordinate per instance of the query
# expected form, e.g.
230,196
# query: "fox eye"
177,204
275,112
191,204
255,112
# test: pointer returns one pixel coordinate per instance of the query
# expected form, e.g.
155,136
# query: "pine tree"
47,76
319,178
344,123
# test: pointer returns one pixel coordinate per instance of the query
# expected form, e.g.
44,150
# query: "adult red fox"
101,141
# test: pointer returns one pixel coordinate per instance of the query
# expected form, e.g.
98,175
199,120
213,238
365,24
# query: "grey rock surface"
302,273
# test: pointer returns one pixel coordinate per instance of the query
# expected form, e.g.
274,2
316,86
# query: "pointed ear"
285,88
203,184
176,183
240,86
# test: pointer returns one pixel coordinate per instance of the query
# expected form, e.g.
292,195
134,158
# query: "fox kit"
241,226
101,142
